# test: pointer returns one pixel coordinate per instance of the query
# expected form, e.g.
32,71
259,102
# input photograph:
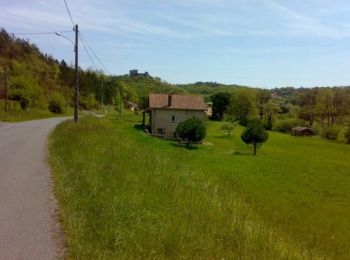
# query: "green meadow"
126,195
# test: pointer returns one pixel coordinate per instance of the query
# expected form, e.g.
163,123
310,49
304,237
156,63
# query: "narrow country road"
28,229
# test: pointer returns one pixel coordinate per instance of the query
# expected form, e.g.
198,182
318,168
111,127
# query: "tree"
192,130
228,128
56,103
307,102
221,102
242,105
262,98
347,135
270,109
255,134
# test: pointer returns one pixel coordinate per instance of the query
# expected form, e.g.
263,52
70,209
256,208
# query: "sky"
260,43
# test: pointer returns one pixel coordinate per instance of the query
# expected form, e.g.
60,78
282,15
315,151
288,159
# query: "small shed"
131,106
302,131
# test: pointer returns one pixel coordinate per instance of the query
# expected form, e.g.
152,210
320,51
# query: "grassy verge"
30,114
124,194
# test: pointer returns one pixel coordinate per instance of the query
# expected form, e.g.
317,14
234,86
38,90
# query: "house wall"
162,119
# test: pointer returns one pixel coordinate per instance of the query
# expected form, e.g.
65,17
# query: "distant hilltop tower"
135,73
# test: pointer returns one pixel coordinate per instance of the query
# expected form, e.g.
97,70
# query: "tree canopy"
191,131
255,134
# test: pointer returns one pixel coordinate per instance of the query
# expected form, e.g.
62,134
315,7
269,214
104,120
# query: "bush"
285,125
27,92
331,133
192,130
228,128
56,103
347,135
11,105
21,96
317,127
88,102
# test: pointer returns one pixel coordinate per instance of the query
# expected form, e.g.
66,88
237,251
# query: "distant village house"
167,111
131,106
209,110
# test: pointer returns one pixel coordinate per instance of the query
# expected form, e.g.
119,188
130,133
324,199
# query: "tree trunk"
254,147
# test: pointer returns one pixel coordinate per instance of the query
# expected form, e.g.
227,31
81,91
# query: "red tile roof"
177,102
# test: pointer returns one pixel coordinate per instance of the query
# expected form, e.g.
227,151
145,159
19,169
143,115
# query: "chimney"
169,100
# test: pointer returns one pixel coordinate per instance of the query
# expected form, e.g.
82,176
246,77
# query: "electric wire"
69,13
87,52
94,53
40,33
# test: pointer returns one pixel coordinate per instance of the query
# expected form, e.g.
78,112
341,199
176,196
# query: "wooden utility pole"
120,101
102,95
76,100
6,89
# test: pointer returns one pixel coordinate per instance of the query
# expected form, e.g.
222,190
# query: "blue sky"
263,43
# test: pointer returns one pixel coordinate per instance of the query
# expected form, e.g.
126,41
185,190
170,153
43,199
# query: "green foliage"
12,105
331,132
21,96
286,125
242,105
142,86
192,130
255,134
228,127
88,102
270,109
221,101
19,115
207,89
347,135
27,93
130,94
56,103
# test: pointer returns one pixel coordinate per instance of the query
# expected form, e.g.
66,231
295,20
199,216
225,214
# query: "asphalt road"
28,225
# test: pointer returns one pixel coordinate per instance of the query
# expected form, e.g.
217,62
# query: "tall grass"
124,194
29,114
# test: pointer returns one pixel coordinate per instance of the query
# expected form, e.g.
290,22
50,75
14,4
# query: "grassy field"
124,194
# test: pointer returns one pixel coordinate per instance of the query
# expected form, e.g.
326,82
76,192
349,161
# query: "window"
173,119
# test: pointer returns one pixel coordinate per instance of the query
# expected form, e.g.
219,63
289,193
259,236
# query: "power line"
39,33
87,52
84,42
93,52
70,16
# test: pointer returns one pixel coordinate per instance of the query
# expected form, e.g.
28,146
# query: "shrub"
88,102
317,127
27,92
331,133
21,96
285,125
228,128
192,130
255,134
347,135
56,103
268,123
11,105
